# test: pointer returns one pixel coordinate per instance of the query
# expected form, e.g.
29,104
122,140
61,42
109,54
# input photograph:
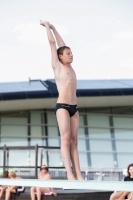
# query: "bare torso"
66,84
44,176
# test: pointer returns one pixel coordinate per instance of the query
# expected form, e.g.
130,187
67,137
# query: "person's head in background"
12,174
6,174
44,169
130,170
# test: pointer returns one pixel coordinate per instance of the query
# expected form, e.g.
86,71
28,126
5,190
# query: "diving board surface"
71,184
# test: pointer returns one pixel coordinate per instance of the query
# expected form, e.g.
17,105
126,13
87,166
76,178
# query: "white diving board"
73,184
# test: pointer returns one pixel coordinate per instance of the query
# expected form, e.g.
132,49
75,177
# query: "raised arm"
52,43
59,39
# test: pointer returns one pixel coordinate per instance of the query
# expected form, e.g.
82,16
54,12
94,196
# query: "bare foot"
71,178
80,178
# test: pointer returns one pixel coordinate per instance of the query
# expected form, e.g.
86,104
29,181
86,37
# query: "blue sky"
99,32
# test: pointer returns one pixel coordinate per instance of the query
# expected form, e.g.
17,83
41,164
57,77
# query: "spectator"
44,175
124,195
3,187
12,189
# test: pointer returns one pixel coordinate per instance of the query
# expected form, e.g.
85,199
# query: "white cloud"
124,35
35,33
128,63
105,47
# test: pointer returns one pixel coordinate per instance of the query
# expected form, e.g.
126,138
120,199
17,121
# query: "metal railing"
58,171
35,167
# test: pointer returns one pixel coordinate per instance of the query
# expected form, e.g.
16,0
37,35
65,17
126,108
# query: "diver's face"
67,56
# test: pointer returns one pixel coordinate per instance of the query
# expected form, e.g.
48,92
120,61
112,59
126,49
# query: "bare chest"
43,177
67,74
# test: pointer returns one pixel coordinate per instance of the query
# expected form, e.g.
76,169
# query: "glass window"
14,131
21,158
127,135
55,159
44,157
98,121
81,144
100,139
81,135
102,160
123,122
124,160
81,132
123,146
83,159
123,134
99,133
1,158
36,129
53,132
100,145
51,117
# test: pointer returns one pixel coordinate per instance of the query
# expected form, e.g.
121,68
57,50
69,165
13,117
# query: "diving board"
71,184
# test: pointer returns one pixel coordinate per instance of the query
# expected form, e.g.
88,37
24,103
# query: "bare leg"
7,196
8,193
38,193
40,190
63,120
129,195
115,195
123,195
1,192
74,121
32,193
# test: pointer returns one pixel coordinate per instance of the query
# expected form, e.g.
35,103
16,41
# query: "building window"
37,130
14,129
123,128
53,133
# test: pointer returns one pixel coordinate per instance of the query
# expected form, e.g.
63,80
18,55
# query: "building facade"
105,137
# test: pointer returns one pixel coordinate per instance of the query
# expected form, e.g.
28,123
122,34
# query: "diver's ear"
60,57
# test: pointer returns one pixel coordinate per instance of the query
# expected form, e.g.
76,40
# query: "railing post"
41,158
86,175
7,158
4,158
36,160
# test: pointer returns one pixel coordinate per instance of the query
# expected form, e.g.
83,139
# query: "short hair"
12,174
60,50
131,165
44,167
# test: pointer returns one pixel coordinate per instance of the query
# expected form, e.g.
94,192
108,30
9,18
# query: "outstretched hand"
44,23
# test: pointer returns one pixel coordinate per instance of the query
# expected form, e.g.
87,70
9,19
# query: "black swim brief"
72,109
